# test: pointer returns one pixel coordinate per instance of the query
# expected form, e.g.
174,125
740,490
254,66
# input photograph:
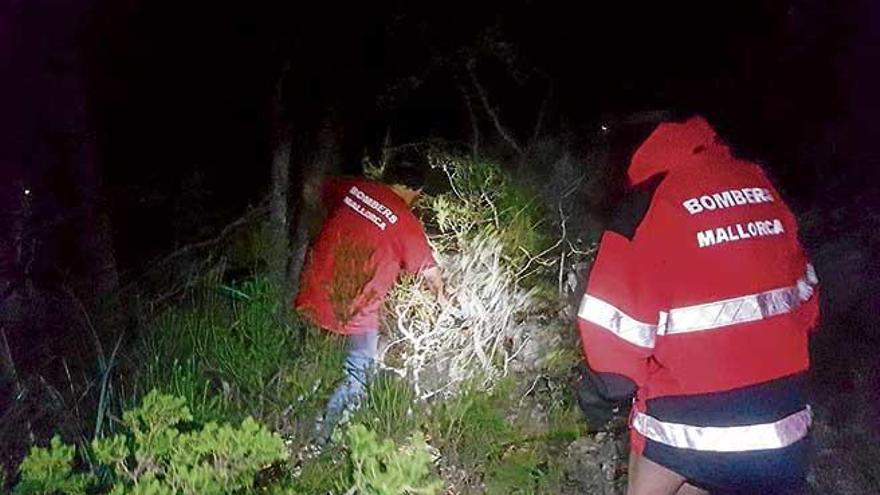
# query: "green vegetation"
224,389
485,201
381,467
390,407
50,470
160,452
489,434
225,352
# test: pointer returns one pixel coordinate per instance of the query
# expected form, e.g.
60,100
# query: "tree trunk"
306,211
282,138
96,281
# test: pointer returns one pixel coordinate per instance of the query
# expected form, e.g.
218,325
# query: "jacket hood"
674,145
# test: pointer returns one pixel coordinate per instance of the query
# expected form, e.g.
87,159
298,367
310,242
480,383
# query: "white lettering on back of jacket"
733,198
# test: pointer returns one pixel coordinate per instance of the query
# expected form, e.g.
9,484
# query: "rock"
542,338
595,463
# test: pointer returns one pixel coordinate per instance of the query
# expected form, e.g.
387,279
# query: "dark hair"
406,169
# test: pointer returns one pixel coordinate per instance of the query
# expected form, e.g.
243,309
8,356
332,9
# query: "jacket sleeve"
415,252
619,313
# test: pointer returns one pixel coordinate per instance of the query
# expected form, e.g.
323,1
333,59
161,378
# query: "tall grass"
225,352
390,407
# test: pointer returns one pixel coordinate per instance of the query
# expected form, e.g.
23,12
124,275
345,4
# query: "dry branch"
252,214
474,336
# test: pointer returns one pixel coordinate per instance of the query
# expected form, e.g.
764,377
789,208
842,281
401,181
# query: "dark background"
155,117
175,96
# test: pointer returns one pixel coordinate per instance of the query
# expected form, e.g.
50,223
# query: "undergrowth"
497,257
159,452
447,412
225,351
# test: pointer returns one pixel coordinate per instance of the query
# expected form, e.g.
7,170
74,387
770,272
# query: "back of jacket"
708,304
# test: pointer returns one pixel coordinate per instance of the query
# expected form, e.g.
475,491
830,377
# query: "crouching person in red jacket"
699,307
369,237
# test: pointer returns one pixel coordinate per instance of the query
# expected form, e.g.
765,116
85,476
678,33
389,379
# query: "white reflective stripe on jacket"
751,307
614,320
700,317
778,434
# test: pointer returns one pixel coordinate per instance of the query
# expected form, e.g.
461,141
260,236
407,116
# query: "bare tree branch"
9,369
542,112
252,214
487,106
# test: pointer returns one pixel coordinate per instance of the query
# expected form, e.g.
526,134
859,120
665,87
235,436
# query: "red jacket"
707,304
370,235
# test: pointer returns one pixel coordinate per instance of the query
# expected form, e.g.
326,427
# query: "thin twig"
89,325
530,390
541,112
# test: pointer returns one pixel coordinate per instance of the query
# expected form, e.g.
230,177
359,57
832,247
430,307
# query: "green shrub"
516,473
485,200
490,435
381,467
328,473
526,470
48,470
162,452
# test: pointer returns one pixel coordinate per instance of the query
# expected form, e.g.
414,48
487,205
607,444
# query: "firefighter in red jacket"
370,235
699,307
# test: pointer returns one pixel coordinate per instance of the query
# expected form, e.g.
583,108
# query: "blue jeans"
359,363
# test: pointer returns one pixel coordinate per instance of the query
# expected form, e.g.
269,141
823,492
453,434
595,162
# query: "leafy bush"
49,469
485,201
384,468
525,470
491,436
162,453
328,473
517,473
